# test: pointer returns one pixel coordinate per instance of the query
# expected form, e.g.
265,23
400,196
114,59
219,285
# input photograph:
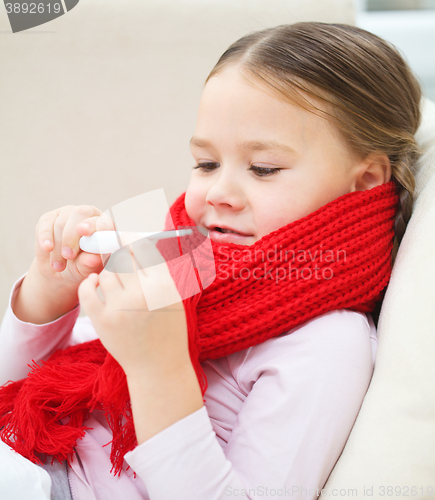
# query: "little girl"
304,151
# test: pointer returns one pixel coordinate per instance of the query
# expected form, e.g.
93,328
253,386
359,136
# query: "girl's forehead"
231,108
230,96
235,78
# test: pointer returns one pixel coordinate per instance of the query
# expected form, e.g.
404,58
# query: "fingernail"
85,225
47,243
57,266
67,252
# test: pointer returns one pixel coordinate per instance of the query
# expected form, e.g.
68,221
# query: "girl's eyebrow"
256,145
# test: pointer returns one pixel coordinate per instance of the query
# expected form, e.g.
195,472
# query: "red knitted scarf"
338,257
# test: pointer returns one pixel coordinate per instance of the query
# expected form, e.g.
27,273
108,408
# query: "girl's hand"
60,230
140,339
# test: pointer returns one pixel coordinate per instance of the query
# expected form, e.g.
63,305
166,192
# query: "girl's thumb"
88,263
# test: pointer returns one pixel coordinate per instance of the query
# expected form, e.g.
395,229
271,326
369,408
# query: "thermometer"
102,242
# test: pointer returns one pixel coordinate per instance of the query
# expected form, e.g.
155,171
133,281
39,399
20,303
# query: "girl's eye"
206,166
259,171
264,171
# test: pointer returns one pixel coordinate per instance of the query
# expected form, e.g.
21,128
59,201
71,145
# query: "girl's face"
264,162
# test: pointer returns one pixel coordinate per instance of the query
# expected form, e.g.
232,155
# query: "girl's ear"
373,171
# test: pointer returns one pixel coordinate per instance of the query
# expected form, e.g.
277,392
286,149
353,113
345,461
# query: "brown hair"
369,91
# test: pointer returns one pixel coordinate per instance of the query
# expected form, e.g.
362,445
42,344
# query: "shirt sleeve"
303,392
23,342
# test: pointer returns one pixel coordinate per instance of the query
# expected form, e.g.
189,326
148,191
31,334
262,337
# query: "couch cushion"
393,440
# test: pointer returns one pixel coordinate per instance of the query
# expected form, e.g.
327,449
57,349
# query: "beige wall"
99,105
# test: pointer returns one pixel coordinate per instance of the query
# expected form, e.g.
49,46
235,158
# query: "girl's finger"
155,273
72,231
109,280
57,261
111,287
148,253
88,295
44,231
157,284
100,222
88,262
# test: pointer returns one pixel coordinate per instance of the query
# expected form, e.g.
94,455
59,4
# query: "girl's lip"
228,237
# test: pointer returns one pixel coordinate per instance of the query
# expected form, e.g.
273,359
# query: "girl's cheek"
193,203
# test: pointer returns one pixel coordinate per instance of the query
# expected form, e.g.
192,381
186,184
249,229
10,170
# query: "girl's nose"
225,191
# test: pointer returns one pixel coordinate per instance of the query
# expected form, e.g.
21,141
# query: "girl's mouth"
228,235
224,230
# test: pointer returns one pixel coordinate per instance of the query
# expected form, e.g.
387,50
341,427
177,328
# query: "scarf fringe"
31,410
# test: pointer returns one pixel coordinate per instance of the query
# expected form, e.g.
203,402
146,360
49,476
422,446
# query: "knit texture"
338,257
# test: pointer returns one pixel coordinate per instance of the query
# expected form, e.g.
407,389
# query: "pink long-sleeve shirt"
275,420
